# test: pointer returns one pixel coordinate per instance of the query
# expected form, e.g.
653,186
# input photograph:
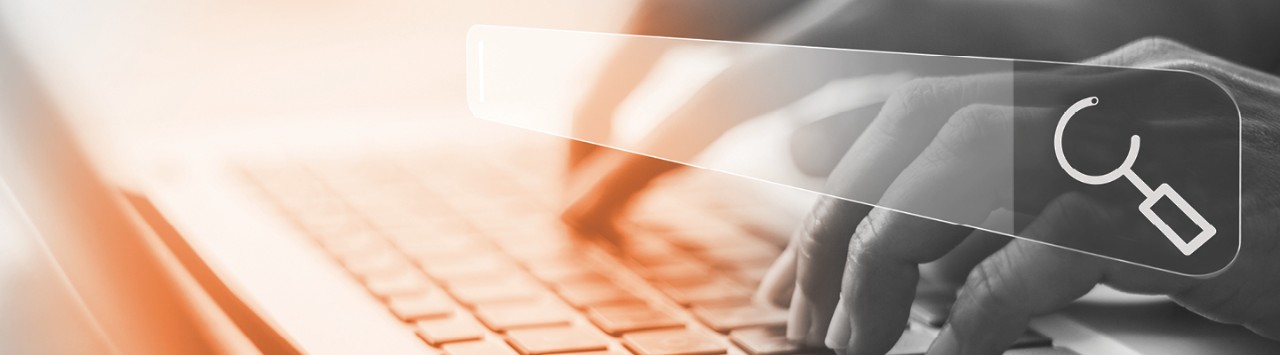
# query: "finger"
955,181
1029,278
875,169
838,333
733,96
578,152
818,146
949,271
865,170
906,123
625,69
1004,292
1025,279
900,272
799,318
604,200
823,248
778,284
879,279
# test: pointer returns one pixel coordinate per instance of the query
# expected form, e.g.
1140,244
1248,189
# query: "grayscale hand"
937,27
850,277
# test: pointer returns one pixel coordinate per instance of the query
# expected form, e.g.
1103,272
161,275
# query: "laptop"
82,272
430,238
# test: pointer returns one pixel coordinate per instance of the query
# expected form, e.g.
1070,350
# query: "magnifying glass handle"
1184,245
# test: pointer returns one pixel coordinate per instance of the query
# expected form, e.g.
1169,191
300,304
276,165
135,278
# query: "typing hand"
600,192
850,275
737,94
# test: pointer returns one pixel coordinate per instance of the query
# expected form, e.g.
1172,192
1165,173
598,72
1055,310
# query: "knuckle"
860,243
1155,44
923,90
925,93
826,225
1074,198
976,123
1078,207
984,289
1144,52
1156,48
863,246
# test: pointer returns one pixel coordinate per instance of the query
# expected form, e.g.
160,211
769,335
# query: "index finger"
882,270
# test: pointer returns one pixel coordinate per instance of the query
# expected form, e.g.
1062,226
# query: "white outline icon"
1126,170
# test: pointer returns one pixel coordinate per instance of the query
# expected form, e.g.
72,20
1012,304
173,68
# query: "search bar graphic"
979,142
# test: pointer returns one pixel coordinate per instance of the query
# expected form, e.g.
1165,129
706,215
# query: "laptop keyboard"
467,249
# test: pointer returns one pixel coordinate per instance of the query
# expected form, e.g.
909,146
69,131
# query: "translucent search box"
1137,165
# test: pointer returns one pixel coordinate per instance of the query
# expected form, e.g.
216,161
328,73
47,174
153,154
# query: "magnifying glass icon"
1187,247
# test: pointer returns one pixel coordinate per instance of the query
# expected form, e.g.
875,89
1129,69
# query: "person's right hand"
935,27
852,274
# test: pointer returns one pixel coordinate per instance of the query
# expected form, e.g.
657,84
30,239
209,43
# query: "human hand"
851,274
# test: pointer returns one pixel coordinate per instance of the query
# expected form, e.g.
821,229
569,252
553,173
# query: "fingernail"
798,317
765,297
838,332
945,343
770,290
778,280
817,329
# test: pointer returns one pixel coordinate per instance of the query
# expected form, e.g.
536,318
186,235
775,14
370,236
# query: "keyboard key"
382,262
748,253
527,255
556,340
595,294
769,341
495,291
503,317
537,227
932,305
650,251
406,282
561,271
709,236
917,342
331,224
616,320
1041,351
912,342
417,229
673,342
440,247
678,273
438,332
713,292
604,352
451,271
422,306
593,279
657,258
1031,339
725,318
487,347
359,243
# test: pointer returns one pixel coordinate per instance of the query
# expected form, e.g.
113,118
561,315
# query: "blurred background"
134,71
135,76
